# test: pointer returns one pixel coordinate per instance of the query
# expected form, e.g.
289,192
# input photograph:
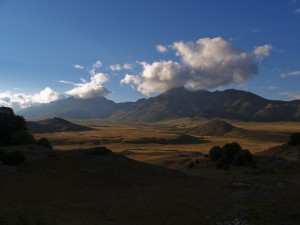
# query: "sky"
126,50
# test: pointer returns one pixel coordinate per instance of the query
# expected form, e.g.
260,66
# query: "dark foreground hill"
54,125
175,103
83,187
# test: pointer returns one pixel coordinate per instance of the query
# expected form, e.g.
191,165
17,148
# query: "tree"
215,153
294,139
9,124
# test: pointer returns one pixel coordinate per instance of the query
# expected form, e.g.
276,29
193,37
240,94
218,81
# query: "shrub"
100,151
242,158
44,142
215,153
222,162
22,138
9,123
230,150
294,139
13,158
231,153
191,164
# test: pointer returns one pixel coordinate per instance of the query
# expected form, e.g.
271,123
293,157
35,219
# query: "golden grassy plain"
129,139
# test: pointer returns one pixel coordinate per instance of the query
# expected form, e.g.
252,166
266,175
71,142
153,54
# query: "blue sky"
42,41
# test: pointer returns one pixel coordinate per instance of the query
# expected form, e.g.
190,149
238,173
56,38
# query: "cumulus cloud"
127,66
79,67
21,100
206,63
95,66
161,48
294,73
262,51
115,67
118,67
90,89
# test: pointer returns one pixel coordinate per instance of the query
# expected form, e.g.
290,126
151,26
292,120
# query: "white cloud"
115,67
79,67
297,11
90,89
118,67
161,48
95,66
206,63
294,73
127,66
21,100
293,95
157,77
263,51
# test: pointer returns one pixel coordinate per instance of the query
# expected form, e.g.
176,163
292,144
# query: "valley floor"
75,187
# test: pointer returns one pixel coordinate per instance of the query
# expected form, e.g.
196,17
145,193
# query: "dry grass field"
143,142
74,187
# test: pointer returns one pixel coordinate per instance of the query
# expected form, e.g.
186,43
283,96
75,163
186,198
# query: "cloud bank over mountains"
204,64
20,100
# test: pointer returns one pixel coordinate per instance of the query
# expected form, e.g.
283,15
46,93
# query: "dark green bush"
242,158
294,139
230,154
9,124
13,158
215,153
22,138
191,164
44,142
230,150
221,163
100,151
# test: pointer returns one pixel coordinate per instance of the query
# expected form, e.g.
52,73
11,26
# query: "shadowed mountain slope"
174,103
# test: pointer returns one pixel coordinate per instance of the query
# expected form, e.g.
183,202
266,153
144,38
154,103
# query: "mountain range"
174,103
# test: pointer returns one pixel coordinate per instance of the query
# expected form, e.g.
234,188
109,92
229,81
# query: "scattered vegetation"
44,142
230,154
294,139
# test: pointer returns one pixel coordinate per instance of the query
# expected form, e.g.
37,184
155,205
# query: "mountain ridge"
171,104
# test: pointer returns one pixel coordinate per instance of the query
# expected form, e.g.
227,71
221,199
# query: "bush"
215,153
191,164
44,142
231,153
230,150
13,158
22,138
222,162
100,151
242,158
9,124
294,139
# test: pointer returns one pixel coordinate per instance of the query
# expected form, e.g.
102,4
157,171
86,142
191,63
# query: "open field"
156,143
71,187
